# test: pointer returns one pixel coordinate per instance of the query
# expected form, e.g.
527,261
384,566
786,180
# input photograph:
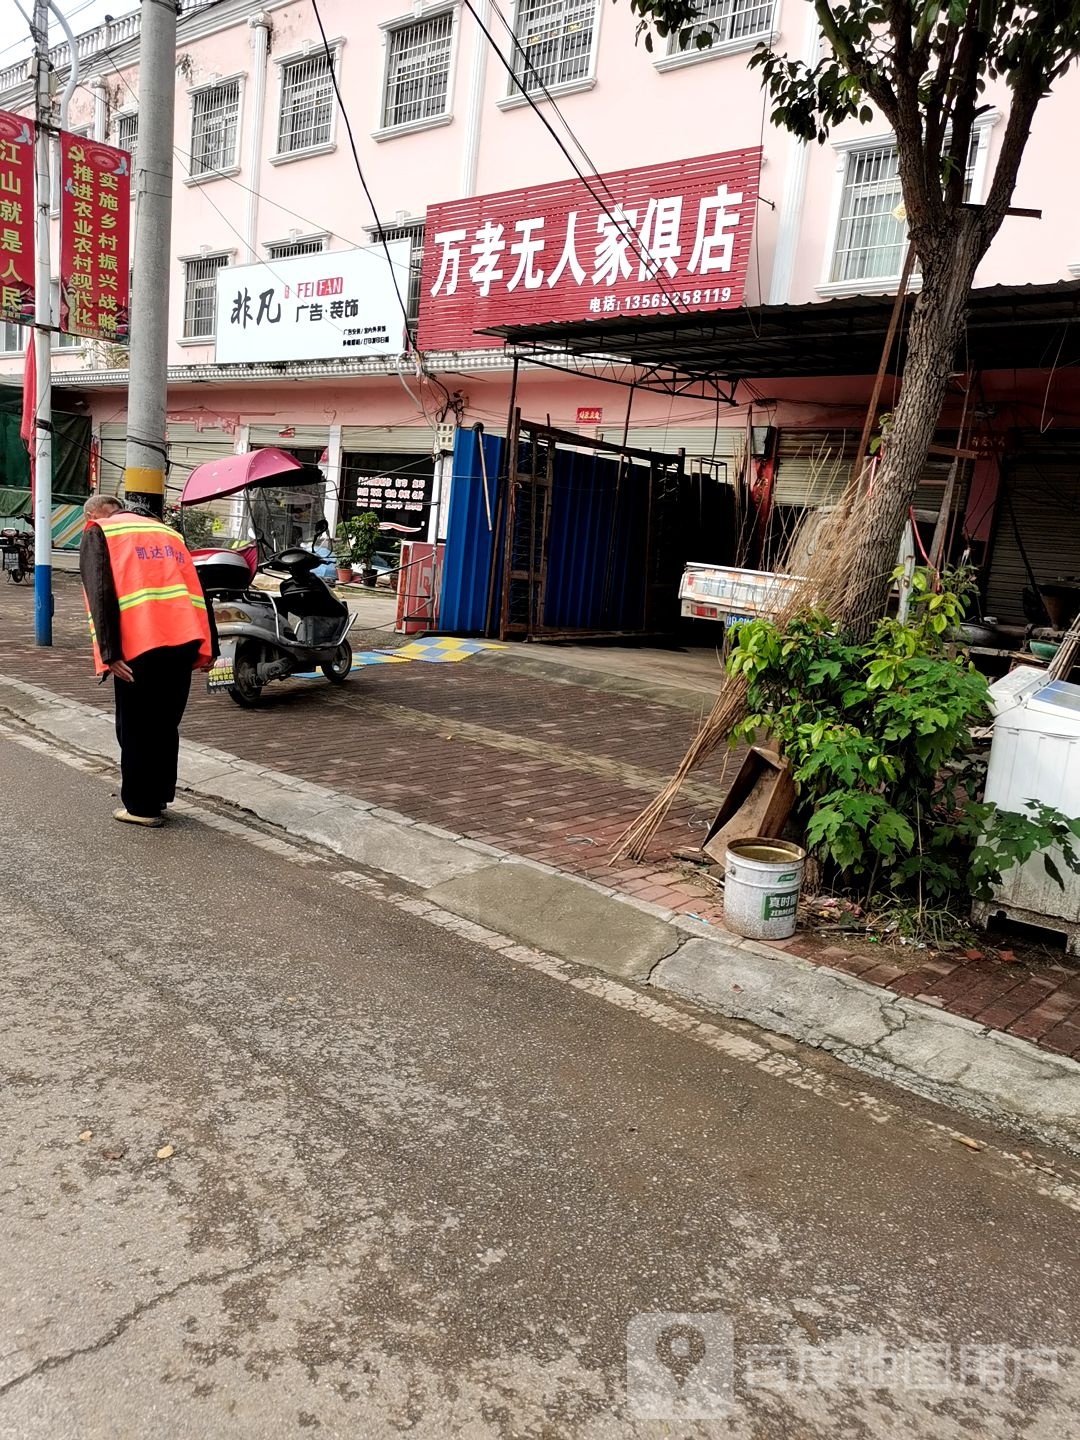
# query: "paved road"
415,1185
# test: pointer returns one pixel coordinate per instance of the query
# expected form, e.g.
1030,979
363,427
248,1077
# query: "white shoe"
153,821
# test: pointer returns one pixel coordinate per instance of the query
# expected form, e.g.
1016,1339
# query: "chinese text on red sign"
16,218
95,194
666,238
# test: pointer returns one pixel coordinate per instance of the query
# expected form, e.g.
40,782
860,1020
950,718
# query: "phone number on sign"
659,299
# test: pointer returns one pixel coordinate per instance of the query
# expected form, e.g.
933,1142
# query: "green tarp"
71,449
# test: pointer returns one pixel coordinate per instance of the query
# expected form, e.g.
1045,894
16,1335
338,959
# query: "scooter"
263,637
16,553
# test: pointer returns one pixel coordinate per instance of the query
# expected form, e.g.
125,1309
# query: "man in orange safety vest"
150,626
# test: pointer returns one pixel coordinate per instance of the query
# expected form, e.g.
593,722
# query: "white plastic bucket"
762,881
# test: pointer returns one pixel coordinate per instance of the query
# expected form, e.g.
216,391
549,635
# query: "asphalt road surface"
280,1156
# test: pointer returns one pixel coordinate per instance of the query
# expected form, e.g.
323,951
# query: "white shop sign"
338,304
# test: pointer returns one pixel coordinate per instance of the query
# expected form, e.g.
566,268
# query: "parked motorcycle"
263,637
16,553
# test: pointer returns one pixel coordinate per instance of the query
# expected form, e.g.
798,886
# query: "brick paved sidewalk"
551,771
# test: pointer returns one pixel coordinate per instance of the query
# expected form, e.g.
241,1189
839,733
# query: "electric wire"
648,265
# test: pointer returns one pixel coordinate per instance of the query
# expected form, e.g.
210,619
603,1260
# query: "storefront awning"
1010,327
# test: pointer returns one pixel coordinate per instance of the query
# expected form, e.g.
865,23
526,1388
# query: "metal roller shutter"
813,466
1043,484
387,439
189,447
726,443
113,457
306,437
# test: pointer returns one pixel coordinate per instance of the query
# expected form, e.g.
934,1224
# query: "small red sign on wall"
590,415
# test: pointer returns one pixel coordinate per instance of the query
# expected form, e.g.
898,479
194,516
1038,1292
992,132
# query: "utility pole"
144,473
42,440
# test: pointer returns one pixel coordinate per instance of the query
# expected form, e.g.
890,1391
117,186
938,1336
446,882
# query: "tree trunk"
933,340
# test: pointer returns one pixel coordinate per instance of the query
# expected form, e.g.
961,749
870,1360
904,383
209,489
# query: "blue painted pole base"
43,604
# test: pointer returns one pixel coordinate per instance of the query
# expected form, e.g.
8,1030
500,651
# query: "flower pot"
369,578
344,574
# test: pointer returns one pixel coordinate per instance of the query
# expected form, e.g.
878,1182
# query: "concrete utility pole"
42,439
144,473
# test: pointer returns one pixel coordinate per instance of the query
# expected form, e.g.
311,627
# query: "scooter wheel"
17,576
246,690
340,668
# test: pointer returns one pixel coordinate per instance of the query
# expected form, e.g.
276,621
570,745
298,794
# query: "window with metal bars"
215,116
127,135
307,105
200,295
871,237
414,233
418,71
557,38
727,20
286,249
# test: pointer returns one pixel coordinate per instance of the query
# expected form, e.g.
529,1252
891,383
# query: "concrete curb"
942,1057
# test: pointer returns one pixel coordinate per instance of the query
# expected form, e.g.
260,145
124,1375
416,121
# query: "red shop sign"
590,415
16,218
95,210
662,239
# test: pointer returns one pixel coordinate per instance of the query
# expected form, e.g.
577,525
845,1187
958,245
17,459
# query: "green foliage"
197,526
879,738
358,539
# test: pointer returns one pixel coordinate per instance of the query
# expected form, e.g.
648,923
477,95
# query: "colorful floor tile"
443,650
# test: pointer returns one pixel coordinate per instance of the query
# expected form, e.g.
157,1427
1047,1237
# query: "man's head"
100,507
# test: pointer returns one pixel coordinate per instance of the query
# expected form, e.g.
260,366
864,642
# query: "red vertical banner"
95,195
16,218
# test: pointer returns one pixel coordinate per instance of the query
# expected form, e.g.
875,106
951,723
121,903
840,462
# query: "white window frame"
185,260
206,176
6,349
313,49
411,127
514,98
322,238
879,284
131,113
676,59
410,223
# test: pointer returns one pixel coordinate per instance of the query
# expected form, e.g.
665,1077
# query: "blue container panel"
467,559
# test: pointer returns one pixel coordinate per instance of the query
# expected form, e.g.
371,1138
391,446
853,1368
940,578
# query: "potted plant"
343,553
365,538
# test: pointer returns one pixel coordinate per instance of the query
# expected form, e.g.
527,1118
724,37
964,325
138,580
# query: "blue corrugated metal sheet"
597,526
469,543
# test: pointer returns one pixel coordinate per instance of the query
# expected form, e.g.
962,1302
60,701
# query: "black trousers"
148,714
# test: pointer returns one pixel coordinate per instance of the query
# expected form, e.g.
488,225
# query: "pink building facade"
265,171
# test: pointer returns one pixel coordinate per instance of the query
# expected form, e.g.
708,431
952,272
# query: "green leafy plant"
879,738
360,534
198,526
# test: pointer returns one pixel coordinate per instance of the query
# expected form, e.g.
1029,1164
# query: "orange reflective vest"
160,596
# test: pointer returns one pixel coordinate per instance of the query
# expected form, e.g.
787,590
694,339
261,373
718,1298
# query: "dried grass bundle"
820,553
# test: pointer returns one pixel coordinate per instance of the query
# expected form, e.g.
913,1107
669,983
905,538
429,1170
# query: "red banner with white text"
16,218
659,240
95,195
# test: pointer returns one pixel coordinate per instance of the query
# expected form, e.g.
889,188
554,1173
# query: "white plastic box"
1035,755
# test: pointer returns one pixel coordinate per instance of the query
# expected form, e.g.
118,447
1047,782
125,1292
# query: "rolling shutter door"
189,447
726,443
1043,485
113,457
307,437
813,466
387,439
